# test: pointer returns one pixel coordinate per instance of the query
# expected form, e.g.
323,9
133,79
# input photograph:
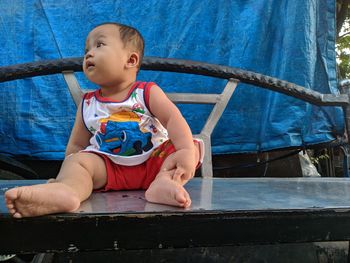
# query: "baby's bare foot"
182,197
166,191
41,199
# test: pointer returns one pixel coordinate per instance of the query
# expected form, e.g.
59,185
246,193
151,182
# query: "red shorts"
121,177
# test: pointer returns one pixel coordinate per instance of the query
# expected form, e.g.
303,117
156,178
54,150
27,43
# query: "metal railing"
233,75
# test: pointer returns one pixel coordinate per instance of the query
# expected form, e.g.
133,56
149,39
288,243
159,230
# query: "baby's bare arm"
79,137
179,132
171,118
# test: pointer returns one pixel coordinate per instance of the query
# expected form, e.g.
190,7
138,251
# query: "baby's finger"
187,176
178,174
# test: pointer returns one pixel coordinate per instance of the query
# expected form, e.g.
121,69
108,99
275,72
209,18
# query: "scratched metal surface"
234,194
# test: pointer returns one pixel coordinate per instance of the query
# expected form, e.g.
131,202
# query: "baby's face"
105,55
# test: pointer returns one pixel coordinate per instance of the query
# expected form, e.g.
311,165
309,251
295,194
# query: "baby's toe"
10,205
17,215
12,211
188,200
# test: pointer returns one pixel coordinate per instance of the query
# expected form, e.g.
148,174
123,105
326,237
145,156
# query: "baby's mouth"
89,64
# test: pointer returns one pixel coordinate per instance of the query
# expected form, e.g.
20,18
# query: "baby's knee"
76,157
83,159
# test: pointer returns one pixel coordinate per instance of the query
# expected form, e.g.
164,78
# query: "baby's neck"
117,92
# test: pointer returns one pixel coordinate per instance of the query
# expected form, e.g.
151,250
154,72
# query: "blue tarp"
290,40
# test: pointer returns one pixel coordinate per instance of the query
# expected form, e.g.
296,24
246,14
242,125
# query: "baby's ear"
133,60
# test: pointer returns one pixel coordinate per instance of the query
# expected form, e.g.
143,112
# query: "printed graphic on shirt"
133,95
137,107
120,134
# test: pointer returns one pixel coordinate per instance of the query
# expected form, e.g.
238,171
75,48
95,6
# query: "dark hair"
130,37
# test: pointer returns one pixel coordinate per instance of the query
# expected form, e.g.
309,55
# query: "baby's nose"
89,54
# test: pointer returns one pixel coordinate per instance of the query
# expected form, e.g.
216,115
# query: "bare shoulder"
160,105
157,93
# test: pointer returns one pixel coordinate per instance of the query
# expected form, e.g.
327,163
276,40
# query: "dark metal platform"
223,212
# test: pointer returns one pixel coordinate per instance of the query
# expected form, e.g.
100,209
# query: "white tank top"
125,131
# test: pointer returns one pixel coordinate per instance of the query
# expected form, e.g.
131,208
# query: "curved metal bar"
47,67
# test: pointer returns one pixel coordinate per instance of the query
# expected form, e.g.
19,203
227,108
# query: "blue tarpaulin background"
291,40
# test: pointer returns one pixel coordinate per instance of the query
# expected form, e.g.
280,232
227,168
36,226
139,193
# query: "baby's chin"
92,77
100,79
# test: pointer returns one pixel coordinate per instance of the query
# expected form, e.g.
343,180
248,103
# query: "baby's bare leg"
79,174
165,190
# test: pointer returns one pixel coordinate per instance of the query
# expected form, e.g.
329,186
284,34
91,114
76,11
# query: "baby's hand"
184,163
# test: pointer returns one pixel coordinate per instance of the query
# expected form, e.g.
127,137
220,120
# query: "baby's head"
113,52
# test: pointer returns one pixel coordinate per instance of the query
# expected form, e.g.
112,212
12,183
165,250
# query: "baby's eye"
99,44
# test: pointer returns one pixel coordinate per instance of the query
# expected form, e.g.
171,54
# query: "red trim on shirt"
147,93
88,95
142,85
98,96
86,99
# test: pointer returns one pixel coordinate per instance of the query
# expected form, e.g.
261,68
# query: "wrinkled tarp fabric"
290,40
